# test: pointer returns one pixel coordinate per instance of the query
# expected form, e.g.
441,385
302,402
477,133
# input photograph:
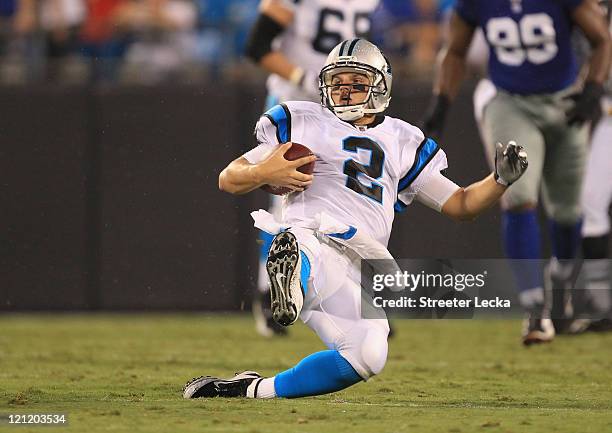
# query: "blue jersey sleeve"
467,9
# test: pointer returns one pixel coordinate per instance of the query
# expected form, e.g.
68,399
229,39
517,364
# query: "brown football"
296,151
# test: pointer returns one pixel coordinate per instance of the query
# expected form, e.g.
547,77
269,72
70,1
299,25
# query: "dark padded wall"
110,198
43,206
166,230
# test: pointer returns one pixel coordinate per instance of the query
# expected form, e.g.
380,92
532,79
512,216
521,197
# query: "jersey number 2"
374,169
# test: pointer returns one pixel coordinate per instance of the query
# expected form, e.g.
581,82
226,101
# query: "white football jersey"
362,175
317,27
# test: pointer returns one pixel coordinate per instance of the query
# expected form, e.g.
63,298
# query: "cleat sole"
281,264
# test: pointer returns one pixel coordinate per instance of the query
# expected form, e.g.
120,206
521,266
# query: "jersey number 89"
531,39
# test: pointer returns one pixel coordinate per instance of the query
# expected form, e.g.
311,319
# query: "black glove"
433,123
510,163
586,104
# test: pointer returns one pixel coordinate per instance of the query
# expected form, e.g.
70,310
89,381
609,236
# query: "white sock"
262,388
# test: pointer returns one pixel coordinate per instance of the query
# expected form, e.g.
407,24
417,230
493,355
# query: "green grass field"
125,373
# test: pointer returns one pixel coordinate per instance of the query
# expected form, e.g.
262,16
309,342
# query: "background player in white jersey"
596,200
291,40
367,166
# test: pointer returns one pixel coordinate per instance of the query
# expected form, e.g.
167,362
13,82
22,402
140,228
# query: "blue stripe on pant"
320,373
521,233
266,241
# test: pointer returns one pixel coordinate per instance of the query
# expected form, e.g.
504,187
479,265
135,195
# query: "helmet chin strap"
356,112
349,114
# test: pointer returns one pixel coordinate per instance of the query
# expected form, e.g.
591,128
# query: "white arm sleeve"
265,134
430,167
259,153
436,191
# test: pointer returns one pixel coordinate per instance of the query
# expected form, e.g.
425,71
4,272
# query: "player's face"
349,88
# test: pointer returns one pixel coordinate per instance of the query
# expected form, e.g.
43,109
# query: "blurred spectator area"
128,41
410,33
173,41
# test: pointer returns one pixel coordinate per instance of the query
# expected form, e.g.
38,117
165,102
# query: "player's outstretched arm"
241,177
469,202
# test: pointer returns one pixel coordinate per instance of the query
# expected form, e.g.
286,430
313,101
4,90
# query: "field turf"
125,372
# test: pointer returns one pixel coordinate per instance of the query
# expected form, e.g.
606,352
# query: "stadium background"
110,160
122,265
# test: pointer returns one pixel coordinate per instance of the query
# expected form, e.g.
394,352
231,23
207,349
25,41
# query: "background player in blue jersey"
532,65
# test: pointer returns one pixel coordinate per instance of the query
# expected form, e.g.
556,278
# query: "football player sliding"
368,166
291,40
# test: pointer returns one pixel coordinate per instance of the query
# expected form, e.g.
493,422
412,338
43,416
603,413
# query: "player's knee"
375,357
566,214
365,348
373,352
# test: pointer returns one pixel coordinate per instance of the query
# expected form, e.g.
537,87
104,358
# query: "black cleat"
207,386
600,325
283,266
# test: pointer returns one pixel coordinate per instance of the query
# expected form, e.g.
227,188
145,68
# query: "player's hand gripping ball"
296,151
510,163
